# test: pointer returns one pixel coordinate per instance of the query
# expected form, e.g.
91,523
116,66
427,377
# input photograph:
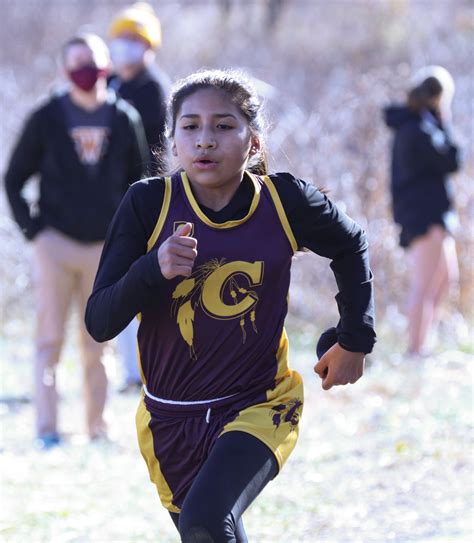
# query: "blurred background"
325,70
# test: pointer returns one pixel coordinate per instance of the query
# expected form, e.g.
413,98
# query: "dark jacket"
70,201
148,96
422,156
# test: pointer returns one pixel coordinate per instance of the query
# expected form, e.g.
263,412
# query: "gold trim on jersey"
283,369
145,441
162,217
228,224
281,212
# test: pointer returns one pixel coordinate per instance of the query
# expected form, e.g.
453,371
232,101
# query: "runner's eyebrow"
218,115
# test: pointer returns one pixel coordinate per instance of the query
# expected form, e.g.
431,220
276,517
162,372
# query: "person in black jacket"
87,147
423,154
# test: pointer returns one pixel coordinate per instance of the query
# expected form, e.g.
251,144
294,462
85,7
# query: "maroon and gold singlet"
213,349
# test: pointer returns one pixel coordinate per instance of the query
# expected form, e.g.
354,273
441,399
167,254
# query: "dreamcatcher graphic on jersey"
223,290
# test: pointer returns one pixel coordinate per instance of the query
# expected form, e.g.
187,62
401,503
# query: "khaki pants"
62,269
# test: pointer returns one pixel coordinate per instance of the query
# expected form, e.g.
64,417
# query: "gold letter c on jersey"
212,292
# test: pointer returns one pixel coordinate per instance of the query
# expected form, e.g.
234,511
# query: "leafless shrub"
328,68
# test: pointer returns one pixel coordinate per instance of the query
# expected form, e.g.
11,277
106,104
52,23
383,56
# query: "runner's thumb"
184,230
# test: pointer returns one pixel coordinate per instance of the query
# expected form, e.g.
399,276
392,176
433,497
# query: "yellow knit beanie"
139,19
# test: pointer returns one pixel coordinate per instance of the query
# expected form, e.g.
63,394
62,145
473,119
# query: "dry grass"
388,459
326,69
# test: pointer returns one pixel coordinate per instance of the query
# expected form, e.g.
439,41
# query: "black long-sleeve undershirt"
128,277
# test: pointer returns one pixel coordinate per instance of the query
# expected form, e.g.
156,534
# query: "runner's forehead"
209,101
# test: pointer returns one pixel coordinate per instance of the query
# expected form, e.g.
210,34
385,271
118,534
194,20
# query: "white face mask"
126,52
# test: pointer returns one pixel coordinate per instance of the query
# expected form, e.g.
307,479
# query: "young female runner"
203,258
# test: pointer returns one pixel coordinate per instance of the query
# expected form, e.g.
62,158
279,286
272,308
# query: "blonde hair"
443,78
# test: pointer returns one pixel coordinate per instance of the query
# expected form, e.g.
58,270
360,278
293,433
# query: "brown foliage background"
325,69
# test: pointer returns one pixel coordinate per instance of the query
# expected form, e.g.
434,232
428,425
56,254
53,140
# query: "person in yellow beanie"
135,36
140,20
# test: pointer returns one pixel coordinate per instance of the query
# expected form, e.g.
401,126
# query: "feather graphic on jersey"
209,286
186,296
235,290
184,288
185,320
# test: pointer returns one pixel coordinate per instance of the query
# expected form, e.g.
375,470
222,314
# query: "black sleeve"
321,227
425,155
127,275
24,162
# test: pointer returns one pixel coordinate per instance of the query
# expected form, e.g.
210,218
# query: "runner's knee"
195,526
196,534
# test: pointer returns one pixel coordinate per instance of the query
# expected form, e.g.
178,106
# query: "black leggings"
238,468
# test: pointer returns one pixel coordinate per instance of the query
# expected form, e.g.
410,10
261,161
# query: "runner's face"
212,139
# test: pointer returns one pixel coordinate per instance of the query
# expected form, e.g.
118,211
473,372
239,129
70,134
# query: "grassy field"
388,459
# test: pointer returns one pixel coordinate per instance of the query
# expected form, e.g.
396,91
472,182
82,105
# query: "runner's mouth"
205,163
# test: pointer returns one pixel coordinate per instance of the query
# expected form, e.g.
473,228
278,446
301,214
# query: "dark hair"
241,92
75,40
419,97
93,42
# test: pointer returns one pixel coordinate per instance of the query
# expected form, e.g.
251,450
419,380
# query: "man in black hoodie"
87,148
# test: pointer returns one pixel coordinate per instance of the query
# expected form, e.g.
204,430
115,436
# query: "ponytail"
259,163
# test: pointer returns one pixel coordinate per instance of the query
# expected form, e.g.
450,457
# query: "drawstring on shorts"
186,404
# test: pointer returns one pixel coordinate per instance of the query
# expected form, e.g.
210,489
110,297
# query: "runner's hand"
339,367
177,254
